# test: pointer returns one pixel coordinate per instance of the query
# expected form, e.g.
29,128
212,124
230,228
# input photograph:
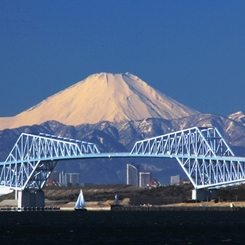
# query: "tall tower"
63,179
132,175
144,178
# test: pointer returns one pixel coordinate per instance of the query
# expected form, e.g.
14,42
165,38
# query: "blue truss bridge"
203,154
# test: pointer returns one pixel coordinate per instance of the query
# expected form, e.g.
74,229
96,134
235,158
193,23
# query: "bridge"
202,153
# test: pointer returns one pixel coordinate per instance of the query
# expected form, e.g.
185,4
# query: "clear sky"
192,51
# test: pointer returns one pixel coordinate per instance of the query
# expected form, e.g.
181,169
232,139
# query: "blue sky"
192,51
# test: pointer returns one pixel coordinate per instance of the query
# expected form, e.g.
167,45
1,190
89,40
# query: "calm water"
106,227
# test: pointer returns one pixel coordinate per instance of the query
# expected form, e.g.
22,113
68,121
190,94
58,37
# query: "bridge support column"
203,194
28,199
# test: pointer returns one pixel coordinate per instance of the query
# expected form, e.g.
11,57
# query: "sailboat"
80,203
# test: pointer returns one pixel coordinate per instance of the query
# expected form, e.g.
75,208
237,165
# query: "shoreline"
11,205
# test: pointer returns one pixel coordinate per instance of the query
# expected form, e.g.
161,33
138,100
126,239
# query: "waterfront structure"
133,175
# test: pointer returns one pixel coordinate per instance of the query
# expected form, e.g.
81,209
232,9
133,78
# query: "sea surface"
122,227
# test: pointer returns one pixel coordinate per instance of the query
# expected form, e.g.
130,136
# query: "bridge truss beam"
213,172
34,157
202,153
192,141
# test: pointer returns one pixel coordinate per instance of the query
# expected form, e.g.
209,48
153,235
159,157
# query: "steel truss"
34,157
202,153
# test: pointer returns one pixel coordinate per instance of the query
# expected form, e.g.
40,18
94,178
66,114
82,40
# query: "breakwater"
174,208
30,209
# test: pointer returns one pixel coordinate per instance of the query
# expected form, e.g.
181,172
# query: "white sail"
80,201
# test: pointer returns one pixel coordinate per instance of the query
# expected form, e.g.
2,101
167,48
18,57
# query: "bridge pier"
30,199
204,194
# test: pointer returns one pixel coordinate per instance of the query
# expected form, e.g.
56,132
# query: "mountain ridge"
120,137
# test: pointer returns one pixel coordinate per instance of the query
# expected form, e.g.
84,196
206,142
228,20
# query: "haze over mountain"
102,97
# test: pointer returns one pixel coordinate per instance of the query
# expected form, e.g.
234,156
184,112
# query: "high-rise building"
132,174
175,180
63,179
73,179
144,178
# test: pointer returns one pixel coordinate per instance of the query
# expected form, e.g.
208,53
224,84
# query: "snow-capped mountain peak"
102,97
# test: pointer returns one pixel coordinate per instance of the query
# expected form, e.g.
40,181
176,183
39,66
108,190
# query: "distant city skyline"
192,51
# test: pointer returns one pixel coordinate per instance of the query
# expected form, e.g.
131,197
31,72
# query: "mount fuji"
102,97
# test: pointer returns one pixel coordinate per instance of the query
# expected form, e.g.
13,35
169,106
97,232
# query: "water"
107,227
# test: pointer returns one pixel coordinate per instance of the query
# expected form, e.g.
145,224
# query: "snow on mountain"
238,116
102,97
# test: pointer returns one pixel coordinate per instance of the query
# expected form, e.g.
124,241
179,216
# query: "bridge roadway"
203,154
